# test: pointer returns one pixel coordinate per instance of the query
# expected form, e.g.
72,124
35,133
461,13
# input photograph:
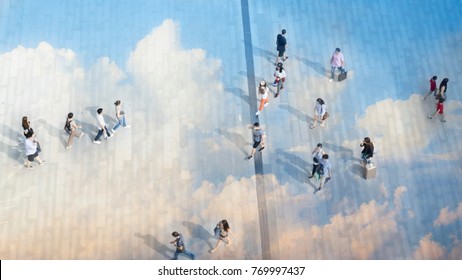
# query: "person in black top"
368,150
281,43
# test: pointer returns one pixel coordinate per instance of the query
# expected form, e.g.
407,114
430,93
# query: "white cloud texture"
447,217
429,249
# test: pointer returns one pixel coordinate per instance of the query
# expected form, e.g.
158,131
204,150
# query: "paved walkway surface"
186,73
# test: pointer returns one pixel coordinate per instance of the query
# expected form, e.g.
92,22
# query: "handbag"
180,249
216,231
39,149
325,116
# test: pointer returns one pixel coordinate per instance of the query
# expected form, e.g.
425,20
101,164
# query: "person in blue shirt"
180,248
325,171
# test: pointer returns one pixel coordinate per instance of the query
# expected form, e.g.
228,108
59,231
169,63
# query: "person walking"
263,92
442,90
279,78
224,230
439,110
120,115
317,153
320,113
102,127
32,150
71,128
368,150
337,61
178,242
281,44
324,171
433,88
258,135
26,126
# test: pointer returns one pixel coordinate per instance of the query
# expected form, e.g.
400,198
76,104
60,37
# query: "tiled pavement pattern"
183,70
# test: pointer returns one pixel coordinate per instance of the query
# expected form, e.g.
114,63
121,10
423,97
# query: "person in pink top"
336,61
439,110
433,88
263,93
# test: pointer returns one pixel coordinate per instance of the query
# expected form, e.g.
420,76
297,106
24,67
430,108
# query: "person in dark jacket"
368,150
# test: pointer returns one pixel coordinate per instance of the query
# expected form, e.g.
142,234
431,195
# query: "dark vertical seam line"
260,182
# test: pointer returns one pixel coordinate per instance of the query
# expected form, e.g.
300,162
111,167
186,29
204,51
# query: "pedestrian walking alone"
337,61
317,157
32,150
120,115
433,88
258,135
281,44
263,92
439,110
71,128
223,231
324,171
279,78
368,150
320,113
102,127
180,247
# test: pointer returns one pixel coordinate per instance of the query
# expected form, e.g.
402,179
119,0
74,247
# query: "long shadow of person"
16,151
267,55
235,138
152,242
316,66
199,232
294,111
239,93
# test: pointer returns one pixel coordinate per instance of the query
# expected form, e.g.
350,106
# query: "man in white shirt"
102,127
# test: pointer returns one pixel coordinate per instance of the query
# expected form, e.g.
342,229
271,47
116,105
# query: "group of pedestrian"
33,147
222,233
440,96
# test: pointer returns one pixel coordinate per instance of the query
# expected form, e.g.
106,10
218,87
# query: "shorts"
256,144
32,157
281,51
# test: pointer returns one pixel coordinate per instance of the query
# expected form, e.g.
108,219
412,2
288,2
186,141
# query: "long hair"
444,83
25,123
225,225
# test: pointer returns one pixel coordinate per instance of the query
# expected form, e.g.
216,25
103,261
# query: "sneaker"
68,147
430,117
83,133
249,157
29,167
276,96
274,84
42,163
309,177
266,104
127,126
113,131
330,80
322,124
109,136
261,149
284,59
211,251
257,113
319,189
312,126
97,142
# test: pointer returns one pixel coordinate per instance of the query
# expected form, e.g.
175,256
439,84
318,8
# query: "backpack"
67,127
320,169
